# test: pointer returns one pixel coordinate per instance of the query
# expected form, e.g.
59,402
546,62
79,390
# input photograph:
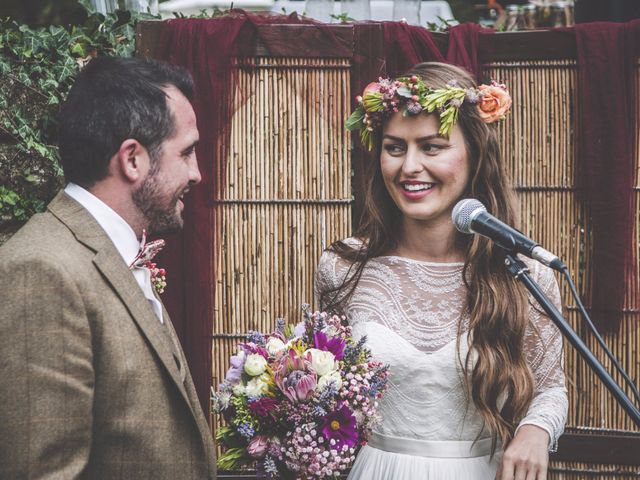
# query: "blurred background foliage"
42,47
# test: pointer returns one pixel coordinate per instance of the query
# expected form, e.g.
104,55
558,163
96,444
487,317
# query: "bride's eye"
432,148
393,148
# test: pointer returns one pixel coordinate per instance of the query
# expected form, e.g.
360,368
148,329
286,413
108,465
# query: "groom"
93,381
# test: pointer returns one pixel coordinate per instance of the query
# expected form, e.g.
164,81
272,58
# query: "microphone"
471,216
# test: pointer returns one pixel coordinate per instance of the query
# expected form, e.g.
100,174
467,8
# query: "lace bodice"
410,311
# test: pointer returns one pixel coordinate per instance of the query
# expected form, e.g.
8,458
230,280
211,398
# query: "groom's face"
173,172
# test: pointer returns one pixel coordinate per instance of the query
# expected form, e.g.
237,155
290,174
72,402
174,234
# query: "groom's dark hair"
111,100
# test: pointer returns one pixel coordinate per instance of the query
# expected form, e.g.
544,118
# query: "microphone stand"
520,272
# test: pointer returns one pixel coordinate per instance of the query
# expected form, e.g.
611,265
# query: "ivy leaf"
355,120
79,49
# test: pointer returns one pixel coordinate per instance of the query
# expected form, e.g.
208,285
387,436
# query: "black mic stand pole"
520,272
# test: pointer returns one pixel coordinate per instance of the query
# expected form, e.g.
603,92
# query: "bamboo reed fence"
288,195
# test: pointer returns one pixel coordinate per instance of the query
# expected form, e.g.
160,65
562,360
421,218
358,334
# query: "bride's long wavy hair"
500,381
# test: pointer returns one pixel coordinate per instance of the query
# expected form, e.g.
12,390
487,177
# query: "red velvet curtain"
607,56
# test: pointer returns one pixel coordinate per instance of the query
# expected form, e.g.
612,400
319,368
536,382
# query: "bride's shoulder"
334,262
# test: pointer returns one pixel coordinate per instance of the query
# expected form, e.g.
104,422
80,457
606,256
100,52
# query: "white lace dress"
409,310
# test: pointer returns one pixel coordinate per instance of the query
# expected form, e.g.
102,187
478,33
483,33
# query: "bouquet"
300,402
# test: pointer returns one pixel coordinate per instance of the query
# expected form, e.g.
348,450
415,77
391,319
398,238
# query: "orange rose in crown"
494,102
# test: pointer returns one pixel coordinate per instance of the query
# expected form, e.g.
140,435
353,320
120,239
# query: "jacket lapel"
109,262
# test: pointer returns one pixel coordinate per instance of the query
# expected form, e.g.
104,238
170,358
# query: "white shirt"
122,236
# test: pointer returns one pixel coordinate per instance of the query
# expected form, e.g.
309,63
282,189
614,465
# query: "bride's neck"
432,242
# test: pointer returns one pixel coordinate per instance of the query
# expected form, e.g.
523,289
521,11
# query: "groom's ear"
132,161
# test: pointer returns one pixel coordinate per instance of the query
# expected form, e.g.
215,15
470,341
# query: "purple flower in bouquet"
250,348
340,426
258,446
237,367
263,406
300,329
334,345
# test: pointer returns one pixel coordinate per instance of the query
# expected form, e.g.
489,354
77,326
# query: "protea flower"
298,386
293,379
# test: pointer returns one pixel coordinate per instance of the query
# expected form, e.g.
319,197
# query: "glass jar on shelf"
514,18
530,16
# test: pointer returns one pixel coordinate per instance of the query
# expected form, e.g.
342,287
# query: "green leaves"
355,120
232,458
13,206
37,68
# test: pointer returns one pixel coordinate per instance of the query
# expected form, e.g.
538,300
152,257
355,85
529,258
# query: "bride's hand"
527,456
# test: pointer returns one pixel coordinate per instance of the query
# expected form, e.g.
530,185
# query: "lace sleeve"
544,353
331,273
325,278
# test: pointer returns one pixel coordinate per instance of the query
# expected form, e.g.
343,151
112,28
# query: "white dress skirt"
429,428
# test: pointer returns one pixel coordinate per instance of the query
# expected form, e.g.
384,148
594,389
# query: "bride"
476,389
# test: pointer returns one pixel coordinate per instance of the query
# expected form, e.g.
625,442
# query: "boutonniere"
158,278
143,260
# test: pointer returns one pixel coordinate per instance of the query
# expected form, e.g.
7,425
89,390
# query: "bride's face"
425,174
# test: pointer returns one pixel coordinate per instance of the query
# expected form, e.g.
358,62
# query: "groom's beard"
159,207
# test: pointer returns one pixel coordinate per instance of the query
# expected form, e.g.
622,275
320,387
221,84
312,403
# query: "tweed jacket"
92,385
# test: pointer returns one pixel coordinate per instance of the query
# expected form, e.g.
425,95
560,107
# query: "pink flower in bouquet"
340,426
292,361
298,386
258,446
293,379
334,345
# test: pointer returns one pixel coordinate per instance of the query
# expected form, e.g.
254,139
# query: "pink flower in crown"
494,102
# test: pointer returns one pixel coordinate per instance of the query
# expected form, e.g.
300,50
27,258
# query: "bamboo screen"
538,141
287,193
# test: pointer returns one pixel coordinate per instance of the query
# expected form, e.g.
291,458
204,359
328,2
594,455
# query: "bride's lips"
415,189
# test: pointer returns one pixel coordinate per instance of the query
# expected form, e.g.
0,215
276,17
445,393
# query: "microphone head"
463,214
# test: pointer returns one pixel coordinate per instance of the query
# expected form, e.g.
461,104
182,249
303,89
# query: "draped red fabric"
464,40
206,48
607,53
405,45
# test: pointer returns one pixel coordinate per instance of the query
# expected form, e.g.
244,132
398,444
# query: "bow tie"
147,251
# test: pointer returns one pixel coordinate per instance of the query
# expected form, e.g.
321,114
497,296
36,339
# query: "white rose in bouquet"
331,377
275,346
322,362
256,387
255,364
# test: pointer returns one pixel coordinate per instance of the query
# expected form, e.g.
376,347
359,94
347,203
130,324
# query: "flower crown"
386,96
